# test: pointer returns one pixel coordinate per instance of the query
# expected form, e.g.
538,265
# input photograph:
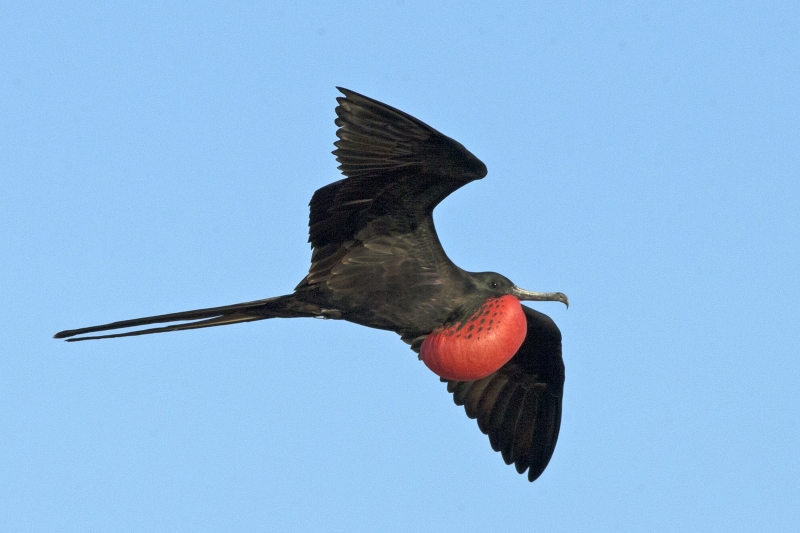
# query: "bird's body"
378,262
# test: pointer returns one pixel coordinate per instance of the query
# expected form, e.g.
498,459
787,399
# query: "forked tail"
278,307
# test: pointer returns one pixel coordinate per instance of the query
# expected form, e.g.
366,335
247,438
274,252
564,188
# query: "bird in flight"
377,261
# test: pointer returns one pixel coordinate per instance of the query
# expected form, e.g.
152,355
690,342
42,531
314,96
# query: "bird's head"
495,285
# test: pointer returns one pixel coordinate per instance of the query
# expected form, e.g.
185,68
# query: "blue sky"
159,156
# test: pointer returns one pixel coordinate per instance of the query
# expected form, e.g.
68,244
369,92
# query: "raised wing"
372,233
519,406
395,165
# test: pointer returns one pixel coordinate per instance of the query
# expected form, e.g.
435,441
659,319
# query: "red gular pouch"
478,346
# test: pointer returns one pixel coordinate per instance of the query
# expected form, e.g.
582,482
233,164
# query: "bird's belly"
479,346
408,317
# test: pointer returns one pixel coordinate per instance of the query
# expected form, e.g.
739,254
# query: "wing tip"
351,96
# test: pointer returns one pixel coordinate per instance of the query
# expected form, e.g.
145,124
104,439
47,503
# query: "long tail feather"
277,307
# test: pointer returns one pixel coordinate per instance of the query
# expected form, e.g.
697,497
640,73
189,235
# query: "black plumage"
377,261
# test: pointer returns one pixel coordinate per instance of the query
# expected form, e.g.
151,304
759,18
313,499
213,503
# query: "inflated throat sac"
479,346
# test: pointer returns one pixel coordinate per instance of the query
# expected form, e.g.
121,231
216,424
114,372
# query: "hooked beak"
522,294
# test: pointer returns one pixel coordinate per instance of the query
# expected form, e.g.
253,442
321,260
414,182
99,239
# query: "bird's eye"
494,284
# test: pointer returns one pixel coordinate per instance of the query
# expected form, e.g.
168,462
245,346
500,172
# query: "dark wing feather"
519,406
394,165
372,233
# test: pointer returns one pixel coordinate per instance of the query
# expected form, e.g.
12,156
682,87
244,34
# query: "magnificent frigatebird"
378,262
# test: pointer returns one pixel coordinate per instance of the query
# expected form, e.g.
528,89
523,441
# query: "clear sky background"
643,158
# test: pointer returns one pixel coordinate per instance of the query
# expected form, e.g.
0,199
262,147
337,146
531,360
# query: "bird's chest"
479,345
